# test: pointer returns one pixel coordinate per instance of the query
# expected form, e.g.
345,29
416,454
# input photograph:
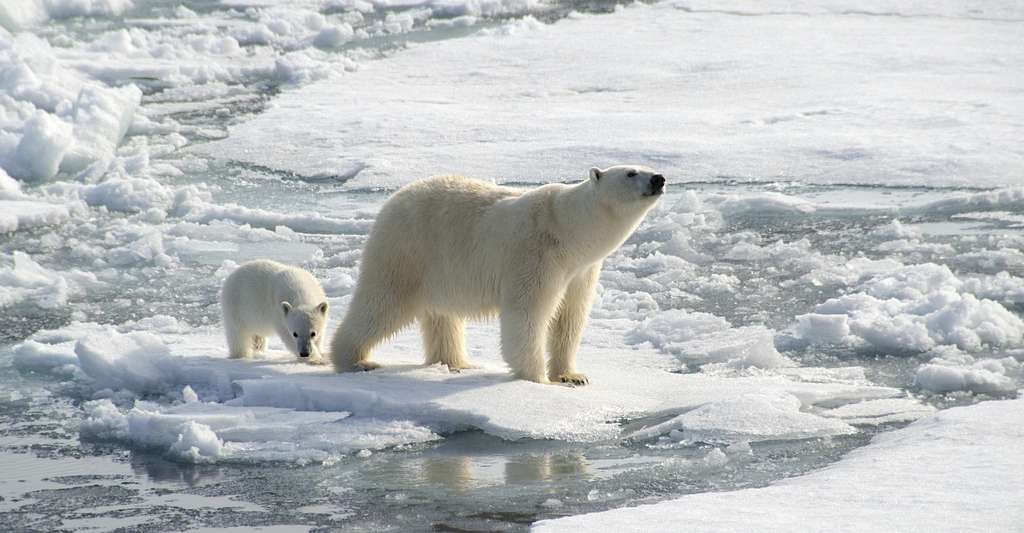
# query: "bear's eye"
295,334
312,334
631,174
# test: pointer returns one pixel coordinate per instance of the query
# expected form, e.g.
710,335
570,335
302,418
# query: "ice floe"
158,357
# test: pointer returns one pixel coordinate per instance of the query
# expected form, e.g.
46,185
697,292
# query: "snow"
707,96
947,472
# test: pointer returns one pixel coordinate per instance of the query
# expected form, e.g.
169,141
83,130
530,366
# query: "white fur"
265,297
449,248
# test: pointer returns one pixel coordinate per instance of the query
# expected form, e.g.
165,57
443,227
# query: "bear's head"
305,324
628,186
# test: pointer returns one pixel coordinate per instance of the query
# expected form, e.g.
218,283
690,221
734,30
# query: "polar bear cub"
449,248
264,297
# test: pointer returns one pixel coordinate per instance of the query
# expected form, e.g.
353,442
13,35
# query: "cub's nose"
303,354
657,182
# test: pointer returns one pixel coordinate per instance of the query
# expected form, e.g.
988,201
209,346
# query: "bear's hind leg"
444,341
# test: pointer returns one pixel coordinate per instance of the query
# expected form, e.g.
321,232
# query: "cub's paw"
365,366
574,379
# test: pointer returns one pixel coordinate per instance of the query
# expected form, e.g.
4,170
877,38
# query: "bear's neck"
588,229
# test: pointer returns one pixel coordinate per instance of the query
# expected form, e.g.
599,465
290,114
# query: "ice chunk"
950,472
823,329
1001,287
197,210
32,356
56,118
942,378
136,361
44,141
702,338
18,215
23,281
954,370
875,412
913,308
101,117
747,418
204,432
196,443
24,13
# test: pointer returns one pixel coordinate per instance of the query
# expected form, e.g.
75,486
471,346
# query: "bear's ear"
286,307
595,173
322,308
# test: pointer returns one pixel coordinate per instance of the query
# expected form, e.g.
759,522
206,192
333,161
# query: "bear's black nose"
657,182
303,354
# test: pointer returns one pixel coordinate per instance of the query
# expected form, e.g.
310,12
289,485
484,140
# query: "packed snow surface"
824,100
951,471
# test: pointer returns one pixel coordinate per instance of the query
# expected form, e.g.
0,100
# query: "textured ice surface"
913,308
963,459
954,370
705,96
208,432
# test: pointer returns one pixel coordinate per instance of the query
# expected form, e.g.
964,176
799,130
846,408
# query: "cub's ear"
595,173
286,307
322,308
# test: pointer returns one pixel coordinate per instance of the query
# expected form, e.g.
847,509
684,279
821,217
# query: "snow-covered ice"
952,471
134,363
822,101
838,254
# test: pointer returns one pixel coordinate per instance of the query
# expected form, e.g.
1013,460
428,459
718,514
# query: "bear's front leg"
567,328
525,313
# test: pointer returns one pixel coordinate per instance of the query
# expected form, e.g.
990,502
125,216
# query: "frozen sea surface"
838,256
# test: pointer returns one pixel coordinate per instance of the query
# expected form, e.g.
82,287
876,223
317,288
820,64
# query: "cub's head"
305,324
628,184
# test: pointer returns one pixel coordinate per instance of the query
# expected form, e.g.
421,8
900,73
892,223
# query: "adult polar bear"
449,248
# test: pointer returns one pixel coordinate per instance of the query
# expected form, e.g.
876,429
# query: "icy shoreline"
947,472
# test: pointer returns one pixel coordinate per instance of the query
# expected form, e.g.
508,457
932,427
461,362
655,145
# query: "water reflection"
161,470
461,473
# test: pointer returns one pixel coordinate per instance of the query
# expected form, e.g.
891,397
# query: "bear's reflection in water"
463,473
